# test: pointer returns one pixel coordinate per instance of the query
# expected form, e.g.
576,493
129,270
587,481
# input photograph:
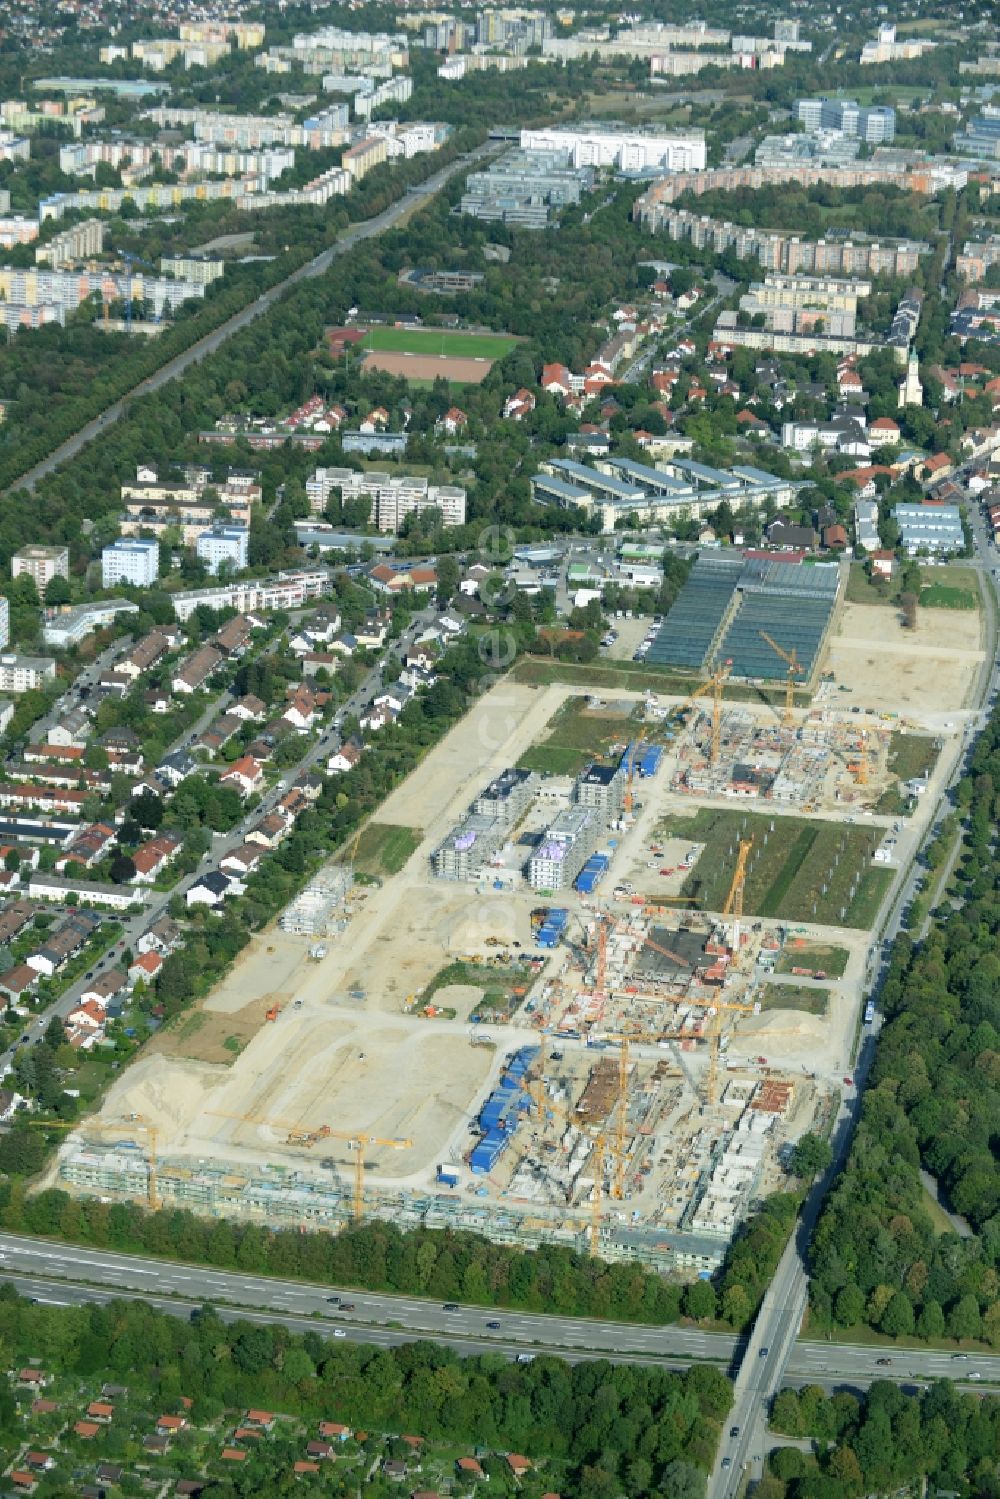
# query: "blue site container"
586,880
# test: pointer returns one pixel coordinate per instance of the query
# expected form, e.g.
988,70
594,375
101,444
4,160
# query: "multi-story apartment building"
201,269
78,242
359,160
4,622
222,544
286,590
41,564
71,626
131,559
252,132
564,848
393,497
25,673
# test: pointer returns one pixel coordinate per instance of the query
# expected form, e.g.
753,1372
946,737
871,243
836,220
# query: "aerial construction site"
620,974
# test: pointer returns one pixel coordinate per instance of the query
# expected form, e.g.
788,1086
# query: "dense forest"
878,1255
884,1442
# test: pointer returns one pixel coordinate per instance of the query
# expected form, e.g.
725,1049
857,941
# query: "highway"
367,229
70,1275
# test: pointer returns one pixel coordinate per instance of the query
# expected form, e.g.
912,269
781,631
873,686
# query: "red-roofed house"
518,1465
244,775
146,967
468,1467
557,379
453,421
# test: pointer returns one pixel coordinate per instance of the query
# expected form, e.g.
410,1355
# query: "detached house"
244,775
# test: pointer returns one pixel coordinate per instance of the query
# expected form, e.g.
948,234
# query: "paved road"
71,1275
368,229
134,925
768,1354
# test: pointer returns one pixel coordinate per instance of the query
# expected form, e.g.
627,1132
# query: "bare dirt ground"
330,1059
924,672
463,371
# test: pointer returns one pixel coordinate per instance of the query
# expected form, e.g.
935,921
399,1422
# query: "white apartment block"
252,132
626,150
71,626
287,590
41,564
223,544
4,622
201,269
392,498
131,559
25,673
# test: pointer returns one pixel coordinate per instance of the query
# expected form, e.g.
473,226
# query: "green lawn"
439,341
384,848
634,676
946,596
574,737
911,755
789,866
794,997
819,957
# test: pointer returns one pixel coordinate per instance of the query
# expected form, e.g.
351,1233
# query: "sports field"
439,341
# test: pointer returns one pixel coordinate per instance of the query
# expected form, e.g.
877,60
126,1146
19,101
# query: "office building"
875,124
223,545
603,146
41,564
71,626
131,559
523,188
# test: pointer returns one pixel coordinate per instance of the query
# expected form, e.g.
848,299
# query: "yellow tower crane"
714,685
734,900
795,669
299,1134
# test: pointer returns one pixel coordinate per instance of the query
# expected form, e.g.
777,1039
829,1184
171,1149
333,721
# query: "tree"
849,1307
898,1318
448,576
147,809
811,1155
699,1300
57,591
122,869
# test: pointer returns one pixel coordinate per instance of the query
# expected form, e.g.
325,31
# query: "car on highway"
727,1462
338,1332
764,1352
883,1362
734,1431
959,1355
975,1374
333,1300
347,1306
450,1306
848,1082
493,1326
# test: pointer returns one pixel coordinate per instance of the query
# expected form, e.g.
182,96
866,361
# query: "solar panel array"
788,601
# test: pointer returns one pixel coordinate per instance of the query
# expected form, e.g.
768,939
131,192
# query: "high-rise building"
40,563
223,544
131,559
